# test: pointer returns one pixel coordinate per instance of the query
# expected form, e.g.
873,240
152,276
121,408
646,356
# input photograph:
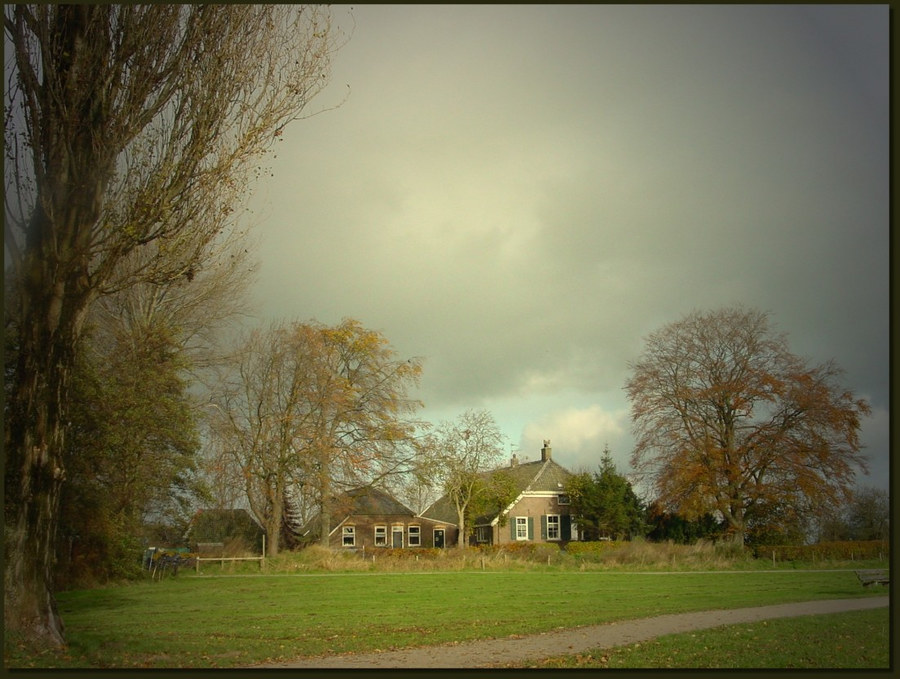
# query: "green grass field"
857,639
211,621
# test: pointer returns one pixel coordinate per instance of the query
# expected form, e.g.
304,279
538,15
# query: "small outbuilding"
234,527
370,518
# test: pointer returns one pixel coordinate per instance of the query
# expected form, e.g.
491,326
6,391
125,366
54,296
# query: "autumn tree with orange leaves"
317,409
727,420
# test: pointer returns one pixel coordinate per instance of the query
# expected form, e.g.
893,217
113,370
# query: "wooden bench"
873,577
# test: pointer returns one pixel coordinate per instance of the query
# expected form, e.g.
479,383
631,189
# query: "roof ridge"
538,475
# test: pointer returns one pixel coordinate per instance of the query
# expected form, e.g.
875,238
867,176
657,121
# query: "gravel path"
498,652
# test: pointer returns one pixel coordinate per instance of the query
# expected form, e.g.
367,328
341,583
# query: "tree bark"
50,324
91,89
325,511
461,517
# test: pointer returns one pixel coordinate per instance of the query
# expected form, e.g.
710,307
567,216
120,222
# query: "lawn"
208,621
856,639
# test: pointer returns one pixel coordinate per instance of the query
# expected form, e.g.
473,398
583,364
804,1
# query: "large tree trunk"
273,544
325,508
52,309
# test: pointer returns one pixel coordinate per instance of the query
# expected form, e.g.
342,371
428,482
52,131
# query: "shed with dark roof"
370,518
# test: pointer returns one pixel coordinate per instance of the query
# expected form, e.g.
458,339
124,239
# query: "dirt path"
498,652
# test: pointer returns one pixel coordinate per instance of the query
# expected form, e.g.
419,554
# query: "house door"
439,538
397,537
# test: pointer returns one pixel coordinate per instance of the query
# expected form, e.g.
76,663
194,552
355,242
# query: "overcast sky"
521,194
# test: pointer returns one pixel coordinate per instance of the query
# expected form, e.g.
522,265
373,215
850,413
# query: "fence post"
773,558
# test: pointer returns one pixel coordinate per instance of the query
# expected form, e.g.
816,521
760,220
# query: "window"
521,528
552,527
381,536
562,499
349,536
482,534
415,536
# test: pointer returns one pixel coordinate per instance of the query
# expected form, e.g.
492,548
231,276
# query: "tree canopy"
726,419
129,453
308,407
866,516
464,448
132,132
603,504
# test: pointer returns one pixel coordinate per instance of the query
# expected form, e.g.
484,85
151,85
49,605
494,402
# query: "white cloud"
579,435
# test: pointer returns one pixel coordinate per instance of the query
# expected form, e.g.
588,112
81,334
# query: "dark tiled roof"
370,501
441,510
530,476
360,502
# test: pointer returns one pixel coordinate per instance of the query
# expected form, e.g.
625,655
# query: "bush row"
588,550
825,551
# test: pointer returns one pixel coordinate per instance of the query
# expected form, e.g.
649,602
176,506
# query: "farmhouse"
369,518
538,513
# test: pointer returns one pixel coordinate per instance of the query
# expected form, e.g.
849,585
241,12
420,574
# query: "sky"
520,195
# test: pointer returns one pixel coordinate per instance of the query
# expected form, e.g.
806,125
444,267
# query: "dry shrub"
826,551
641,554
315,558
591,552
635,554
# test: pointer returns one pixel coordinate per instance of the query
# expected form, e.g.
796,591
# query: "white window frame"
381,532
349,532
521,528
562,499
414,536
397,530
482,534
557,527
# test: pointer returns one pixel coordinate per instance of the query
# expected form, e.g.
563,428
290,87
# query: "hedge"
825,551
591,550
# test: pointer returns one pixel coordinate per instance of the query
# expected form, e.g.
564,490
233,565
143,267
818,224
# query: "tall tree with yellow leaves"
318,408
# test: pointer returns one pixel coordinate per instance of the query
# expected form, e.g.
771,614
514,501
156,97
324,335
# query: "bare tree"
727,420
129,128
467,446
416,489
866,516
198,313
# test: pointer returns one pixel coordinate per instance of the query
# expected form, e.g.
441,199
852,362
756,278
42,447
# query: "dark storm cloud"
522,194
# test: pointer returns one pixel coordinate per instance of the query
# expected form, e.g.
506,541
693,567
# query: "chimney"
546,451
514,461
